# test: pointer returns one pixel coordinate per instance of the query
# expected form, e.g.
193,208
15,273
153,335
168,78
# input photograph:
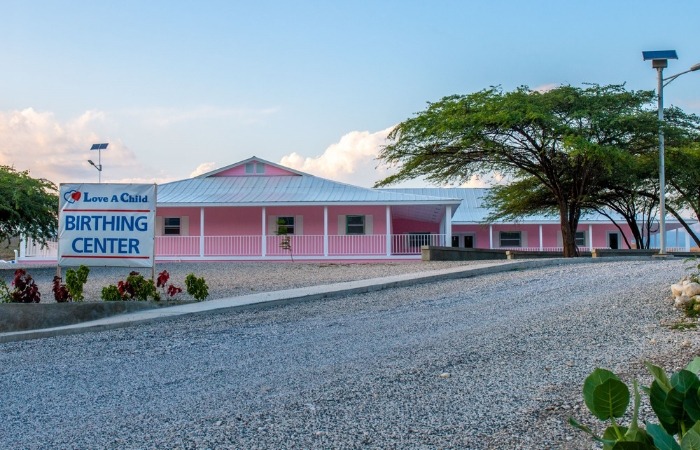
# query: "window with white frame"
580,238
354,224
171,226
285,225
510,239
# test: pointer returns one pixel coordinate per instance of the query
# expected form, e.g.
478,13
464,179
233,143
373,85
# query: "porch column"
448,226
201,232
590,237
325,231
263,236
541,244
687,241
491,237
22,246
388,230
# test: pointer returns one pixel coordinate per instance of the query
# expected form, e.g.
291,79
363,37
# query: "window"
355,225
510,239
580,238
285,225
254,168
171,226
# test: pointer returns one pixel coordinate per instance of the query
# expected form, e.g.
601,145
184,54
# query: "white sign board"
106,225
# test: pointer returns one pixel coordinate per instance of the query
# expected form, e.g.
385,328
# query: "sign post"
107,225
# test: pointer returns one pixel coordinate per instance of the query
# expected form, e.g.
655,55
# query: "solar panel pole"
98,166
659,61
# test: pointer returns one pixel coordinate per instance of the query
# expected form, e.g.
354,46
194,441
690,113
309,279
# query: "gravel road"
493,362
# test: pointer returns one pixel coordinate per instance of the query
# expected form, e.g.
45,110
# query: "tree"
28,206
560,141
683,176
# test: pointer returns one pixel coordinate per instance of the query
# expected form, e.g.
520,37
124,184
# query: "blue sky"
174,86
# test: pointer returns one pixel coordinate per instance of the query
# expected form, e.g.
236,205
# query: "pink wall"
240,171
403,226
247,221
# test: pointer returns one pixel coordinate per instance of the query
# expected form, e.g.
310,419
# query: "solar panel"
99,146
660,54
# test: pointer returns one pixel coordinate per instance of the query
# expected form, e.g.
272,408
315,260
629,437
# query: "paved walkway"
293,295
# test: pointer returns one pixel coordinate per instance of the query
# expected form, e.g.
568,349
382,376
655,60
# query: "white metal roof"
472,209
269,190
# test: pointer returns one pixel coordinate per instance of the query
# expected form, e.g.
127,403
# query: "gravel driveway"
490,362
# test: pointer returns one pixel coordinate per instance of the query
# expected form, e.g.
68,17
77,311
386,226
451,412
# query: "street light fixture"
659,61
98,166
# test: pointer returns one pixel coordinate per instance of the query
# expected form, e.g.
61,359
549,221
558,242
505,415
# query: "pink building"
258,210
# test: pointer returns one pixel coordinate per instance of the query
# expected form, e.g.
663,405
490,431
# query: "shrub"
135,287
75,281
196,287
675,400
162,281
60,292
25,289
111,293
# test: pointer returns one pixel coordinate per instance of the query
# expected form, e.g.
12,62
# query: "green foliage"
675,400
28,206
196,287
111,293
75,281
571,143
135,287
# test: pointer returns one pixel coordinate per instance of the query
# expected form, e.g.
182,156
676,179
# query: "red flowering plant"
162,281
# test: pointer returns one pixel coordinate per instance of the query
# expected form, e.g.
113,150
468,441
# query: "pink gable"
254,168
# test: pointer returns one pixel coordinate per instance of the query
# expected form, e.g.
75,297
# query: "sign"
106,225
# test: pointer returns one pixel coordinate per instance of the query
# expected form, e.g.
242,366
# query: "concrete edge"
298,295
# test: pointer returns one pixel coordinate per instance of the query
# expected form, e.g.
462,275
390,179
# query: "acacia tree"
559,141
683,176
28,206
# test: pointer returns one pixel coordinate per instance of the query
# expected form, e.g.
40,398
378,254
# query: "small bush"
60,292
111,294
75,281
162,281
25,289
135,287
196,287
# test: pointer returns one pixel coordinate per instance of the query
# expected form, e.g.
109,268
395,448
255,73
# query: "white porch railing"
304,246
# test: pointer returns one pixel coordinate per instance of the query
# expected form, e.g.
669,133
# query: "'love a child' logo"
72,196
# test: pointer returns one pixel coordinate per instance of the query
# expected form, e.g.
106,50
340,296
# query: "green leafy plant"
5,296
286,240
75,281
135,287
196,287
111,293
675,400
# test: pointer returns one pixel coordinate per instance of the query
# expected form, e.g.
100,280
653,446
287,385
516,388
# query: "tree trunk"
568,233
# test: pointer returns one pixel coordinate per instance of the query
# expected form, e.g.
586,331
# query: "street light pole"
659,61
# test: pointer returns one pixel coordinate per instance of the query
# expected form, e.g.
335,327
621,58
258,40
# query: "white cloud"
351,160
545,87
59,151
203,168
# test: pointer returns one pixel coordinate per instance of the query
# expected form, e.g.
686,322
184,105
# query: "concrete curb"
289,296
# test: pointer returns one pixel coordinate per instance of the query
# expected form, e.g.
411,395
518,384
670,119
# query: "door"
469,241
455,241
613,241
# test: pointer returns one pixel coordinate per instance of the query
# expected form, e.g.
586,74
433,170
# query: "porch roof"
472,210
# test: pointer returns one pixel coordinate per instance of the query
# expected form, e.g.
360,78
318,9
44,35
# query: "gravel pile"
493,362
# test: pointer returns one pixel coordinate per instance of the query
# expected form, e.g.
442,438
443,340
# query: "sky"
178,88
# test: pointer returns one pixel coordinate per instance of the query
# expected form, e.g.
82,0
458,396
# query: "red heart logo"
75,196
